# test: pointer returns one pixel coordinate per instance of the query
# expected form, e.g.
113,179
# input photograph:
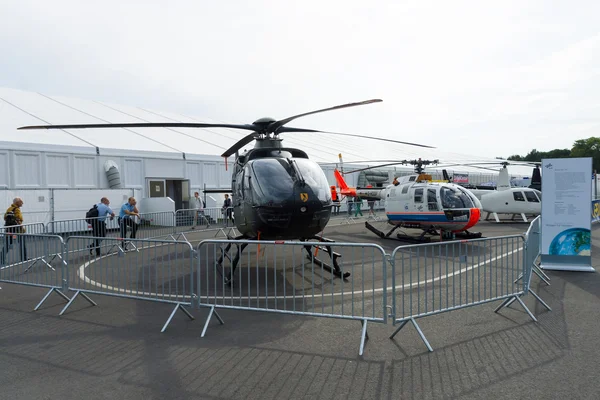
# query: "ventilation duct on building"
113,174
373,178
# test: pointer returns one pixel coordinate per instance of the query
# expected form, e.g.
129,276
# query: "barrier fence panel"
25,260
154,270
533,238
153,225
428,279
302,278
36,228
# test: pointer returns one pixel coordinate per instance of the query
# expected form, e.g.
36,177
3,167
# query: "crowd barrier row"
351,281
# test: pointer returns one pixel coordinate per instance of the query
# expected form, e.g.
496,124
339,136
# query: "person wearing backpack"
96,217
13,219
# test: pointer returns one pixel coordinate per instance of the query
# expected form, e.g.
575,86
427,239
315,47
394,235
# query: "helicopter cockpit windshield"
453,198
276,177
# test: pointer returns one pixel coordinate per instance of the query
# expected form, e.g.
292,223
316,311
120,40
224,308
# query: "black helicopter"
278,192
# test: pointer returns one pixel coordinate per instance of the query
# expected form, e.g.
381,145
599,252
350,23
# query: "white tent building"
58,169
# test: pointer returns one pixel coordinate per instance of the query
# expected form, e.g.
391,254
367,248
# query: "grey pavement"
115,350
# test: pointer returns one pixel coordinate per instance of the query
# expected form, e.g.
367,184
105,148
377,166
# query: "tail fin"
340,180
503,180
344,188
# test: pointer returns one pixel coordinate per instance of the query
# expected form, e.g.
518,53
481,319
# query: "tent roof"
19,108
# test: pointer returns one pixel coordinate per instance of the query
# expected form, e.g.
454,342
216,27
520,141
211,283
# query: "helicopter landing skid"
468,235
335,269
401,236
234,261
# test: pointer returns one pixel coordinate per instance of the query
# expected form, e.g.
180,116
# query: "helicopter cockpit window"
538,194
405,189
314,177
418,195
452,198
432,204
276,177
273,178
518,196
531,197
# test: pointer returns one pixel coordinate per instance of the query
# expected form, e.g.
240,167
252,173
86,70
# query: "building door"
178,190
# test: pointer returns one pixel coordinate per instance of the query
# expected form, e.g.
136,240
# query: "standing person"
126,218
371,204
99,224
335,200
227,209
13,219
358,203
198,206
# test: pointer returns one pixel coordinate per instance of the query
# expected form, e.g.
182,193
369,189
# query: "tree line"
589,147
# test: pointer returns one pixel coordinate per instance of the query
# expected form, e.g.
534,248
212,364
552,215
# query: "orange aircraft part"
345,190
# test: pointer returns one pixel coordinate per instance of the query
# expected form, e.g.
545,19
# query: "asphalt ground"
116,350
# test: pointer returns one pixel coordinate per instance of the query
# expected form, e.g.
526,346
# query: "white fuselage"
422,205
510,201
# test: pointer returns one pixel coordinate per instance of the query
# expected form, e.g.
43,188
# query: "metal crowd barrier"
533,238
429,279
24,260
36,228
323,279
300,278
147,269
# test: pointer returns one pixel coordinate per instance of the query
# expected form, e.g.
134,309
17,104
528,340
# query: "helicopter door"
419,195
432,203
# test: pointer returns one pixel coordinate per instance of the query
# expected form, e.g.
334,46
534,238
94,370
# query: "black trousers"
124,223
8,241
99,231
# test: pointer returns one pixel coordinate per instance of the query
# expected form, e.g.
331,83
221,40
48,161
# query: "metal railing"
291,277
33,260
322,279
143,269
429,279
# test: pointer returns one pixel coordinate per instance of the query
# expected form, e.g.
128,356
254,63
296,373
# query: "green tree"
589,147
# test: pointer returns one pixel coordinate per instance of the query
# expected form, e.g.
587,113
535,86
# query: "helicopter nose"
474,215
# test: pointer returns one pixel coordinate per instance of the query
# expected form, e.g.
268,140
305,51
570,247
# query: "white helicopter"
511,200
415,201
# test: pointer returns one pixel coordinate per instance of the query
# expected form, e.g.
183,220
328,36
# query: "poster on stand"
566,210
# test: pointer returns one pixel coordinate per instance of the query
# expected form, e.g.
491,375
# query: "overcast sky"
472,77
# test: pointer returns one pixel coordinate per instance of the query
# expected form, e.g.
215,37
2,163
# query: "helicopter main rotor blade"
143,125
239,144
278,124
285,129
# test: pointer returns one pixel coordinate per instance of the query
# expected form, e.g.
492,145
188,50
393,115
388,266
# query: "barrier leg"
77,293
545,278
505,303
540,300
525,307
419,331
210,314
41,259
177,307
363,337
64,296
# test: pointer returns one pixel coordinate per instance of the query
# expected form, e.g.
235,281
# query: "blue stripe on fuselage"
412,217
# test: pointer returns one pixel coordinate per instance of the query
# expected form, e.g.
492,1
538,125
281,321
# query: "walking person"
371,204
358,203
198,206
127,216
13,219
99,224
